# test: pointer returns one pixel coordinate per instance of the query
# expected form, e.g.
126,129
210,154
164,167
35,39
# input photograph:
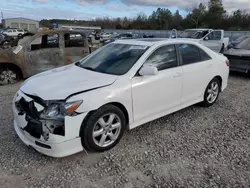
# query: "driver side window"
163,58
214,35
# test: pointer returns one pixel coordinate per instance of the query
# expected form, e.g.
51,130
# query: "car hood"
60,83
238,52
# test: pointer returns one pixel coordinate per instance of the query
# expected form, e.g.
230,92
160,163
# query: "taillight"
228,62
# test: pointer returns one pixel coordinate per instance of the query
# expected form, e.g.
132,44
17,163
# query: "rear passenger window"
204,55
163,58
74,40
189,53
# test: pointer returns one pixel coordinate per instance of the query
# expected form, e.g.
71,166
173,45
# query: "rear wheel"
8,75
103,129
212,92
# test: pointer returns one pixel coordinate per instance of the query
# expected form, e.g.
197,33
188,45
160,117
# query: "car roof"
153,41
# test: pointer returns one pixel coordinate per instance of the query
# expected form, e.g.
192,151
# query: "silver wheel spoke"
103,139
112,136
5,81
215,87
210,91
98,133
13,76
106,130
111,119
115,126
209,96
102,122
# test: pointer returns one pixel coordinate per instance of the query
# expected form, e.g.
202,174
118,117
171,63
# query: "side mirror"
206,38
148,71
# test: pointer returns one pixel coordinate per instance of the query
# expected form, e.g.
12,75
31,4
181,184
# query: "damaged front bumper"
33,132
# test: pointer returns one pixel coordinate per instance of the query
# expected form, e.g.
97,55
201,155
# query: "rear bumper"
54,150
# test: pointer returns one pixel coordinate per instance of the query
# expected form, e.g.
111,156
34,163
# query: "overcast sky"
88,9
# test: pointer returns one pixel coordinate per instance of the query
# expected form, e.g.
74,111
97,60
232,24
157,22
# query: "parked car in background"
237,41
119,36
213,39
239,57
123,85
41,52
14,32
5,38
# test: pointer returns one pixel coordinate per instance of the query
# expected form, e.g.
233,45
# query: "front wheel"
211,93
103,129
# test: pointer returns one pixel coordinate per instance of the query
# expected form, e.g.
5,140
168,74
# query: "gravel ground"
195,147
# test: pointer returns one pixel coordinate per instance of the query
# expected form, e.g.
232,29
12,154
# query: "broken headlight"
58,110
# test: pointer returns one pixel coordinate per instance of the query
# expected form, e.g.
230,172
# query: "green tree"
196,16
215,13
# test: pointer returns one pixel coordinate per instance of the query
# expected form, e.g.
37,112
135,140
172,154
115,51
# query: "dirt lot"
196,147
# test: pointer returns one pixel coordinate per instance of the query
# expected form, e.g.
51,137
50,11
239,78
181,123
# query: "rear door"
214,40
75,47
44,53
197,68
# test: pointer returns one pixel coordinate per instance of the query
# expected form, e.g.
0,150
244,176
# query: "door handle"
178,74
210,65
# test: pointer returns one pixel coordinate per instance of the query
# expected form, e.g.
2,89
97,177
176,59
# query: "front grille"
34,126
27,108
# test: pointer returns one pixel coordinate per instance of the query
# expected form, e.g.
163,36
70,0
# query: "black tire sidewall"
205,102
88,126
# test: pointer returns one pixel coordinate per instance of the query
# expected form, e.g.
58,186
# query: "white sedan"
122,85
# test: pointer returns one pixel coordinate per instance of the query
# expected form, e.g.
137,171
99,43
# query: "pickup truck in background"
213,39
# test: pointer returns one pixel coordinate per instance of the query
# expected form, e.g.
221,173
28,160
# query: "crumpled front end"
57,137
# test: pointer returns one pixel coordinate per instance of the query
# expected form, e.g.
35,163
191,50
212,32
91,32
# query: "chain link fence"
165,33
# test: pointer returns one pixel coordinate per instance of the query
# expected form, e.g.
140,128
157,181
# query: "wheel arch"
13,66
116,104
220,80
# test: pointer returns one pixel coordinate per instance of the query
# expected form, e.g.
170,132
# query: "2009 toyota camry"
123,85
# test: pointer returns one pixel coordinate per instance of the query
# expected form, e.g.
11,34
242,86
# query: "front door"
44,54
75,47
214,40
158,93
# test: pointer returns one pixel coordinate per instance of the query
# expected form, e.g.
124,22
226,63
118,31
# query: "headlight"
58,110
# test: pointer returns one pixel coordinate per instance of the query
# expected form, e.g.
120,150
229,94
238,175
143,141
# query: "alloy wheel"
107,130
212,92
8,77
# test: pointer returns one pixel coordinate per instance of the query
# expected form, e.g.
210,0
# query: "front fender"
93,100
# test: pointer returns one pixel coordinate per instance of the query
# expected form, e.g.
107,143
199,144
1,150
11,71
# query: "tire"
211,94
93,125
222,49
9,75
19,35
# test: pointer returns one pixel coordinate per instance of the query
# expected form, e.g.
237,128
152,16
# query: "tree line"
213,15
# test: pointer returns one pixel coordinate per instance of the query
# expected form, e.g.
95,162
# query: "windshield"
188,33
114,58
240,39
245,44
200,34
